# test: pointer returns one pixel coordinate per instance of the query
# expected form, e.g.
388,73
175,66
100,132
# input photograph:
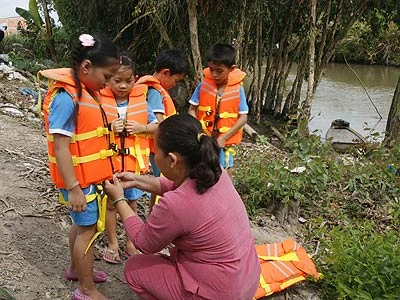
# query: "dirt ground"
34,227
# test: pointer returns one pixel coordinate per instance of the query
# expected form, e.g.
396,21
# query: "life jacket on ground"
218,114
169,106
89,147
132,151
282,265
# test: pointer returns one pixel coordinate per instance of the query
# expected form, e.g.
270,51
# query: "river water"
340,95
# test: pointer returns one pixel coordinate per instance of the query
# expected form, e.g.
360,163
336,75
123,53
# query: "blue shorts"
91,214
133,194
156,170
225,162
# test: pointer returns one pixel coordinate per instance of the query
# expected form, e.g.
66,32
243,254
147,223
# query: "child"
78,149
219,102
170,67
131,120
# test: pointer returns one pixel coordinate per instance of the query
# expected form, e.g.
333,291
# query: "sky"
7,7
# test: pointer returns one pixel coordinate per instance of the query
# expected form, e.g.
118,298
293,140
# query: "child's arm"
76,198
241,121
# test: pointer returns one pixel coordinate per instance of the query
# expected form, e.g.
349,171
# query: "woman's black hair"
183,134
101,52
222,54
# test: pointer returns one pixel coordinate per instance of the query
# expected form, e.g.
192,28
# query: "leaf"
24,14
34,11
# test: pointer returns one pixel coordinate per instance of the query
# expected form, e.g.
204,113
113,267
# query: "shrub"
360,263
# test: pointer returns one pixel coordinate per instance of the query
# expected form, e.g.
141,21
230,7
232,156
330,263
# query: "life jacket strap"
76,160
98,132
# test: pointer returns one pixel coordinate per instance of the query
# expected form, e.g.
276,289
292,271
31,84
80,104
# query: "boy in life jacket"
219,102
171,66
131,120
79,151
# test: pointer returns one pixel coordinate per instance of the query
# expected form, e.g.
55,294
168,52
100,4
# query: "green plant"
360,263
4,295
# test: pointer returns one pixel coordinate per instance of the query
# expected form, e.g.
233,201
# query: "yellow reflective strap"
224,129
98,132
292,281
292,256
101,221
52,159
265,286
137,152
225,115
102,154
204,127
227,152
204,108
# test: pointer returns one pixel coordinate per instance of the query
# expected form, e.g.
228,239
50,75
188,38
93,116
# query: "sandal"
98,276
111,256
78,295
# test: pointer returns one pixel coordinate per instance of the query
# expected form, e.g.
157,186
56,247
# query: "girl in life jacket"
132,120
79,152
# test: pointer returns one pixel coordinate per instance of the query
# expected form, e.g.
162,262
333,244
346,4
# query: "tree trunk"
393,123
306,107
49,31
240,35
194,40
256,97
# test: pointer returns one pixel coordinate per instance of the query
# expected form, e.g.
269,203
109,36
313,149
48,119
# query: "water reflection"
340,95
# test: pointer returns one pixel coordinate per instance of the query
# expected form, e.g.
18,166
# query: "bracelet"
119,200
72,186
145,128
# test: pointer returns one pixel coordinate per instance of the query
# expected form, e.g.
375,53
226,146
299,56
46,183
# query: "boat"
342,137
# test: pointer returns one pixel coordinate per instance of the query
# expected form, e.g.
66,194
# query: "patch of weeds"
358,262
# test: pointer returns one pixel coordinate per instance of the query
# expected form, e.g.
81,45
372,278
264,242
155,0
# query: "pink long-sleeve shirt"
213,244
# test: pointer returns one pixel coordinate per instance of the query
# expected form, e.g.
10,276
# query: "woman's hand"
114,189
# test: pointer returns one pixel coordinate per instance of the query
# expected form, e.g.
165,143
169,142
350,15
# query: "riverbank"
34,226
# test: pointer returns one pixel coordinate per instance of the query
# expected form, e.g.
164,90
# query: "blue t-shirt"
155,101
243,107
61,110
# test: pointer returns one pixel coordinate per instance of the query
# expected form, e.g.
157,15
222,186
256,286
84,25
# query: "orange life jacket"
89,145
134,155
218,114
282,265
169,105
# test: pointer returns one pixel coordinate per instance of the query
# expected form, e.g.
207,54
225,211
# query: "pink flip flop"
78,295
111,256
99,277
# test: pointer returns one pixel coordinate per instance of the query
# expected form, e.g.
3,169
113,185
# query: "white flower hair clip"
87,40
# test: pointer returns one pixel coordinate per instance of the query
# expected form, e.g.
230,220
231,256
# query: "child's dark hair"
222,54
183,134
172,59
126,60
97,48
